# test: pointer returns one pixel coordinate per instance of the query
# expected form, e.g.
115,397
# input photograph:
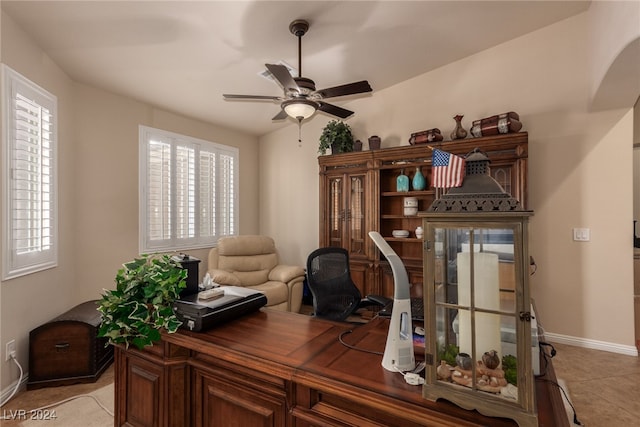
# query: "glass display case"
478,317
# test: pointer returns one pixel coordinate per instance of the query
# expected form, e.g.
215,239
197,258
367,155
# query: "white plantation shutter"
207,194
29,193
159,190
185,192
188,190
227,192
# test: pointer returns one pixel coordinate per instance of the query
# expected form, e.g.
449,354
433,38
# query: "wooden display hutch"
358,194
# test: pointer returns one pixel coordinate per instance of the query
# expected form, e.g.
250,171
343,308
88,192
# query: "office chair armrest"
285,273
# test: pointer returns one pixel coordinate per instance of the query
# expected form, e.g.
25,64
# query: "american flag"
447,169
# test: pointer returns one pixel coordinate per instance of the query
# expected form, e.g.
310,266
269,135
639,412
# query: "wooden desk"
273,368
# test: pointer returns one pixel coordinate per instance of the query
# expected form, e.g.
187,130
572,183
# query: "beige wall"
30,300
106,231
580,171
613,50
98,193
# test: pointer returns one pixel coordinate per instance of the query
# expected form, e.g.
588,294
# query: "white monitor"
398,352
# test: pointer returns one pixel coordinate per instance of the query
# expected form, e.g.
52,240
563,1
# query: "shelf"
407,164
407,261
407,193
403,239
399,217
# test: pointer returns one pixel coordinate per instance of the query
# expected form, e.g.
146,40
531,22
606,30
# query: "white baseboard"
7,391
628,350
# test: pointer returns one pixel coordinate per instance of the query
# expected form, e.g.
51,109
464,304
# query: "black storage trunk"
66,350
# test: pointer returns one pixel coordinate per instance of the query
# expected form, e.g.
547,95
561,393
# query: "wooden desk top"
270,341
307,350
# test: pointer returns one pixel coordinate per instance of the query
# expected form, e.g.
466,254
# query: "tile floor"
604,387
32,399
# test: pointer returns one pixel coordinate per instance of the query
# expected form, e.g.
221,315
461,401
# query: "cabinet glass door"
510,176
503,175
475,307
337,212
356,215
480,348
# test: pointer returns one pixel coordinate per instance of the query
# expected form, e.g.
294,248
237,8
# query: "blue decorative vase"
402,182
419,183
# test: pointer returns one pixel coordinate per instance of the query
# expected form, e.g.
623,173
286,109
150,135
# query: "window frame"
174,243
14,264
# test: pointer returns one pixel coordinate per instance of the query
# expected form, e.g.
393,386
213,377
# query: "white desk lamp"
398,352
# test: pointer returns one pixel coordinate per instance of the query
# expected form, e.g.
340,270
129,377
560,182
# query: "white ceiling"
183,55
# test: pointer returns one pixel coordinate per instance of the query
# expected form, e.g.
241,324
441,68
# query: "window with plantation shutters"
29,176
188,191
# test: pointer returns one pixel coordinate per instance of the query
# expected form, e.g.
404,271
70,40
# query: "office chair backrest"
335,296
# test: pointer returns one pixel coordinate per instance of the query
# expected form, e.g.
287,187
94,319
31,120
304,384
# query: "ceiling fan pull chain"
299,132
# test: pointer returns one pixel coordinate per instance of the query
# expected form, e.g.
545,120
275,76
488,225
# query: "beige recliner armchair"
252,262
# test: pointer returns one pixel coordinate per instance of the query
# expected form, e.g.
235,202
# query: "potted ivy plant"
141,306
337,135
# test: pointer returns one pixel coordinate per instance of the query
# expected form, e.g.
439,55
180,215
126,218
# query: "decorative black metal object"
479,192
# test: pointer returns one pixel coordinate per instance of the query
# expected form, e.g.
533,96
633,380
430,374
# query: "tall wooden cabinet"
358,193
347,206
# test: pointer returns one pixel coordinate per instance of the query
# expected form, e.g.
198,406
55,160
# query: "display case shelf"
412,193
403,239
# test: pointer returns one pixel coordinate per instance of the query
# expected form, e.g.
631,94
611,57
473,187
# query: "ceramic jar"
374,142
402,182
410,206
419,183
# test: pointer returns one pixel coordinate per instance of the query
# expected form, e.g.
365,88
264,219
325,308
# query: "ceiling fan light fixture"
299,109
301,99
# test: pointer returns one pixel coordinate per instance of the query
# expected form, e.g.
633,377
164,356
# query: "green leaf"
172,325
154,335
141,304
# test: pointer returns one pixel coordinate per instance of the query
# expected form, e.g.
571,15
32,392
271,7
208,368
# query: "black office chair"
335,296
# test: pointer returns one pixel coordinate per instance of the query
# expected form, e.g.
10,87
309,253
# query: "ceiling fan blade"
282,75
280,116
255,97
334,110
348,89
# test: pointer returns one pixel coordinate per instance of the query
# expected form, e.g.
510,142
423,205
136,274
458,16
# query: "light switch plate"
581,234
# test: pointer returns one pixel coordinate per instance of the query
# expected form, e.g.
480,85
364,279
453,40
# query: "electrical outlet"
11,348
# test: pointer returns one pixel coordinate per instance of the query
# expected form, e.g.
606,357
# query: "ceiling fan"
301,99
